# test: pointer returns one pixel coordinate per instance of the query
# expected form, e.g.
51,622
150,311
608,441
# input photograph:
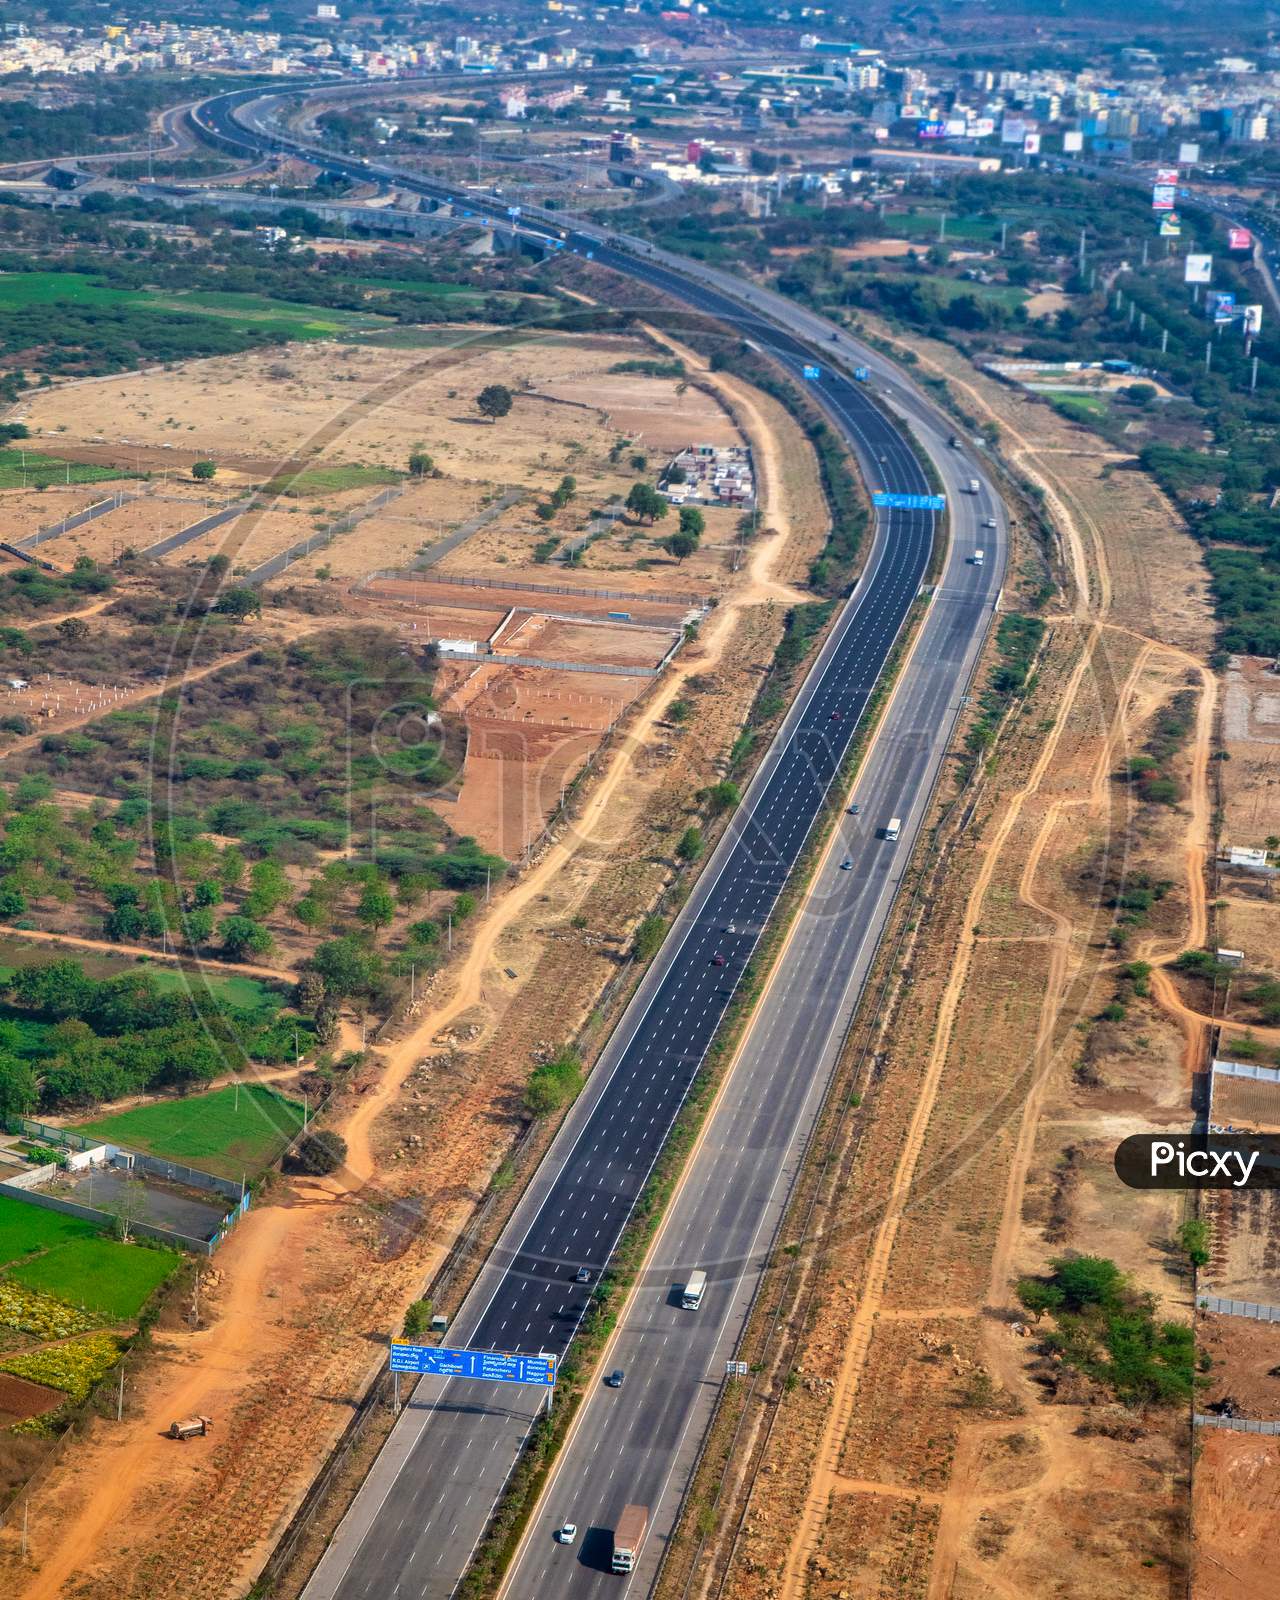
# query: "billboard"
1171,226
980,127
1013,130
1220,305
1031,144
931,130
1253,319
1072,142
493,1365
1239,239
1188,155
1199,269
1163,196
955,128
1166,175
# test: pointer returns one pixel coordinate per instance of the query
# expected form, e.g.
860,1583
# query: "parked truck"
628,1536
190,1428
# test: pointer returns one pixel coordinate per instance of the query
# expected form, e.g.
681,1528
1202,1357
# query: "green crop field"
923,225
286,319
113,1280
236,992
24,1228
228,1131
423,286
33,469
331,480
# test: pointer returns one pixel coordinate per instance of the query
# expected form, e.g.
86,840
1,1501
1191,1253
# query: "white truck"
894,828
693,1291
973,486
628,1536
978,558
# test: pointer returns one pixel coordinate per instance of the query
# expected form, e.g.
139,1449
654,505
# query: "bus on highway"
691,1294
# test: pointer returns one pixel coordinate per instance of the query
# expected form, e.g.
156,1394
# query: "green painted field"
227,1132
114,1280
25,1228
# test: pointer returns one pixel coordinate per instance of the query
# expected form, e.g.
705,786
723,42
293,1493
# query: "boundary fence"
408,575
1237,1424
1238,1308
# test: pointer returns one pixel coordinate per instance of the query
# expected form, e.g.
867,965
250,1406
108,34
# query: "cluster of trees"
67,1039
1107,1329
558,499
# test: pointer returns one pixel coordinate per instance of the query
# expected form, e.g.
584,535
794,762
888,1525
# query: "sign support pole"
395,1402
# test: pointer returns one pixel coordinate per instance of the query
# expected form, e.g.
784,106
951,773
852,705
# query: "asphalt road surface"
427,1501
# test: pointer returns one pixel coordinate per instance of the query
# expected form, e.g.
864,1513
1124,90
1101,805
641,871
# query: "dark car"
616,1378
717,961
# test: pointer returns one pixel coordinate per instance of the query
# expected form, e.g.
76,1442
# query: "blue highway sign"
909,502
494,1365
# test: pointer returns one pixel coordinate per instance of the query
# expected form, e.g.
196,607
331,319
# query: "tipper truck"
628,1536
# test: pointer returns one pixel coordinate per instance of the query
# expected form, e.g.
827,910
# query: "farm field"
225,1132
25,1228
112,1280
282,318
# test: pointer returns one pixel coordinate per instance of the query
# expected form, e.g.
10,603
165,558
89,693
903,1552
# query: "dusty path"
172,957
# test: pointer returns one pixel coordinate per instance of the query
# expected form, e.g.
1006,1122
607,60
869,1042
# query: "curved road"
428,1498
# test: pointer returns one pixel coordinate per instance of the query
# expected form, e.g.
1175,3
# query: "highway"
428,1498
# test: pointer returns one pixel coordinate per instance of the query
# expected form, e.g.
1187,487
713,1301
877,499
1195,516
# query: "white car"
566,1533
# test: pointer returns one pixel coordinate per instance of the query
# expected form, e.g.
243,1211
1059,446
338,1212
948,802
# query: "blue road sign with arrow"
496,1366
908,502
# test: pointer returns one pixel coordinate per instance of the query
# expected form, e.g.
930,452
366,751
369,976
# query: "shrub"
317,1153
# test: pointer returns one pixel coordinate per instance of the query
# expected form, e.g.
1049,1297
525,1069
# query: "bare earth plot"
925,1450
305,1292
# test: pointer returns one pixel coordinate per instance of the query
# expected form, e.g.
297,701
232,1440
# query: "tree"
644,502
564,491
241,602
72,629
202,471
12,900
494,401
347,966
242,936
692,521
308,993
690,846
722,796
420,464
19,1090
1037,1297
268,886
317,1152
377,907
199,926
680,545
553,1084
